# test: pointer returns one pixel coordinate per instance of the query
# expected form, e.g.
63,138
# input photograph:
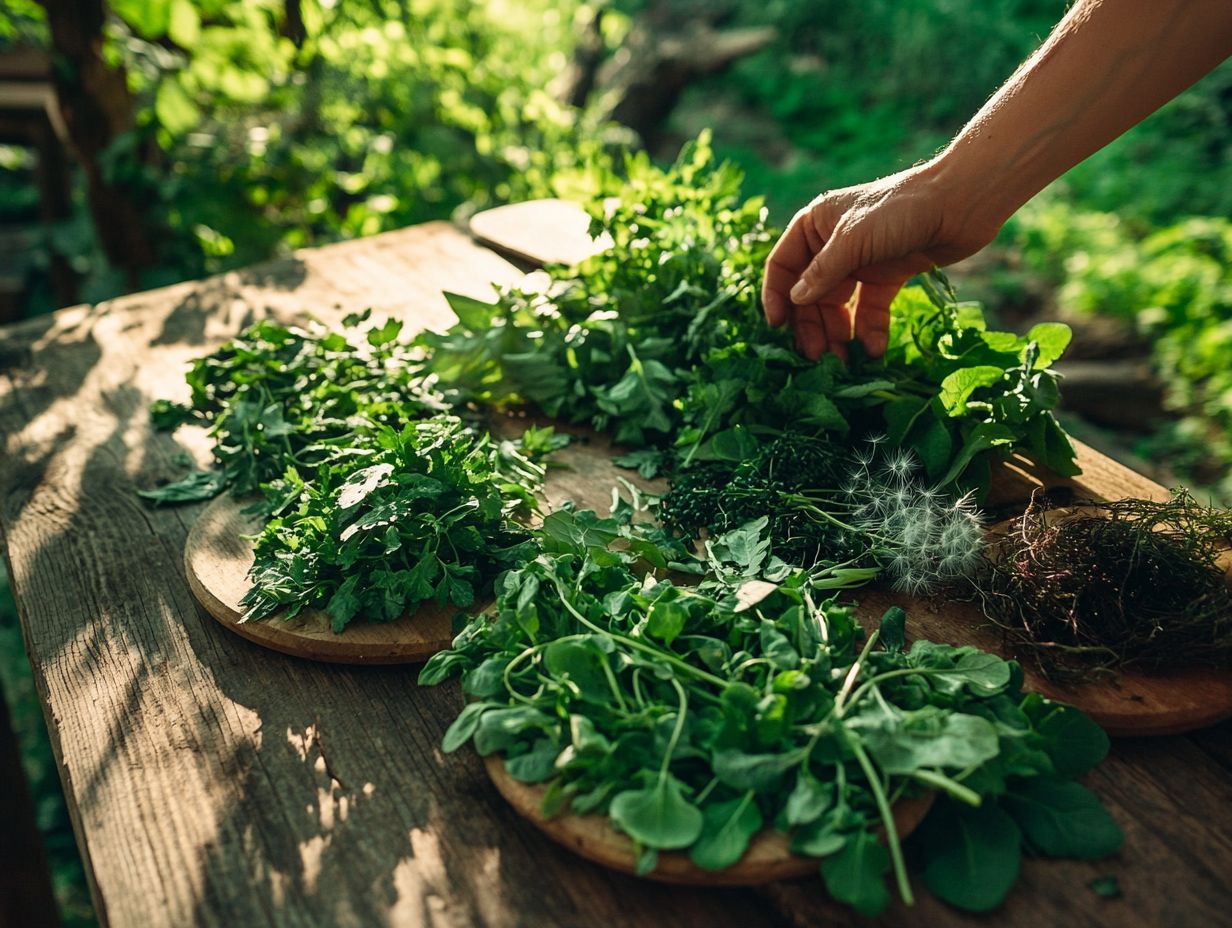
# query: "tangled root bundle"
1130,582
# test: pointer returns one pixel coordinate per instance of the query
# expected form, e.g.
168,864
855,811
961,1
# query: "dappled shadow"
286,273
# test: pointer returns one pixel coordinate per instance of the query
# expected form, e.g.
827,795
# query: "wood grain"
213,783
218,555
768,858
538,231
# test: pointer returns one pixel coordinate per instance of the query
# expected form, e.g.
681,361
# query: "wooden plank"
214,783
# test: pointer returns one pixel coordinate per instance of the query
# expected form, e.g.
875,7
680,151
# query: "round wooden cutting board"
539,231
768,857
217,557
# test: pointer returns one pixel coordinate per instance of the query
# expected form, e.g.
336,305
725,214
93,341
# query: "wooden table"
214,783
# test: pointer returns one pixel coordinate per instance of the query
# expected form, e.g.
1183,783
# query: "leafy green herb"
694,716
660,340
425,514
863,513
278,397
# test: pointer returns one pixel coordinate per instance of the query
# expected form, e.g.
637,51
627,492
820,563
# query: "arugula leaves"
695,716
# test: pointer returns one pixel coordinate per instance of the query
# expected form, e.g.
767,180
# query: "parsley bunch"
694,717
614,341
425,513
278,397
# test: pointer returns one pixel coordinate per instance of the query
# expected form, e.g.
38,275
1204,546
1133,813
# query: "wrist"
973,195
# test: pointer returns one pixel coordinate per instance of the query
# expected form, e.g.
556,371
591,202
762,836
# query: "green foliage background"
254,136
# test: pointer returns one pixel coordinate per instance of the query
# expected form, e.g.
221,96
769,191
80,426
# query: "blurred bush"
275,124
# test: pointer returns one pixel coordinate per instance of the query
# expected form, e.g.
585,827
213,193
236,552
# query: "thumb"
833,264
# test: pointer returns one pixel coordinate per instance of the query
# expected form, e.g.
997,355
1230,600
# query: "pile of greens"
695,716
375,499
278,397
660,339
426,514
822,504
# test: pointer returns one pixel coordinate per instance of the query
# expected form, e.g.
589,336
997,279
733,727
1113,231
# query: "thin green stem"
947,785
642,646
887,821
681,715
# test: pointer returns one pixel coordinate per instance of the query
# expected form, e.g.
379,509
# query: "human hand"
850,251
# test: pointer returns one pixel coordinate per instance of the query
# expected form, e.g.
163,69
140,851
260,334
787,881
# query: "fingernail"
799,292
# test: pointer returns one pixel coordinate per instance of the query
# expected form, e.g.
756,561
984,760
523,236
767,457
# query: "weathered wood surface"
212,782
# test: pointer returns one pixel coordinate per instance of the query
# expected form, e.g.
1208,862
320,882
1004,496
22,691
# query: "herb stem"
642,646
948,785
887,820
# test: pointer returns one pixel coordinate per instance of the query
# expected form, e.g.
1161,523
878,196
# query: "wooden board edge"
768,859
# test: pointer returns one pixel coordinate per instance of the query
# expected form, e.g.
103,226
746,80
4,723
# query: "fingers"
791,254
832,264
823,327
810,332
872,314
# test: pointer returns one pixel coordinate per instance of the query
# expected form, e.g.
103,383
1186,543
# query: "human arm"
1106,66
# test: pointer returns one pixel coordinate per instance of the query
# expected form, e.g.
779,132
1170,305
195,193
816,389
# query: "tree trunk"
97,108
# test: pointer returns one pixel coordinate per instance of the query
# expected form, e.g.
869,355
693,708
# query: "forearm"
1107,65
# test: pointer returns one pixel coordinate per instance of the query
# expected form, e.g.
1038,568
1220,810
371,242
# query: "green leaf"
166,415
983,437
344,604
727,829
893,629
809,799
581,661
658,816
930,738
931,440
464,726
666,620
1073,742
473,314
1052,338
957,387
175,109
735,444
984,673
1063,819
580,530
971,855
191,488
753,771
537,764
901,415
856,874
